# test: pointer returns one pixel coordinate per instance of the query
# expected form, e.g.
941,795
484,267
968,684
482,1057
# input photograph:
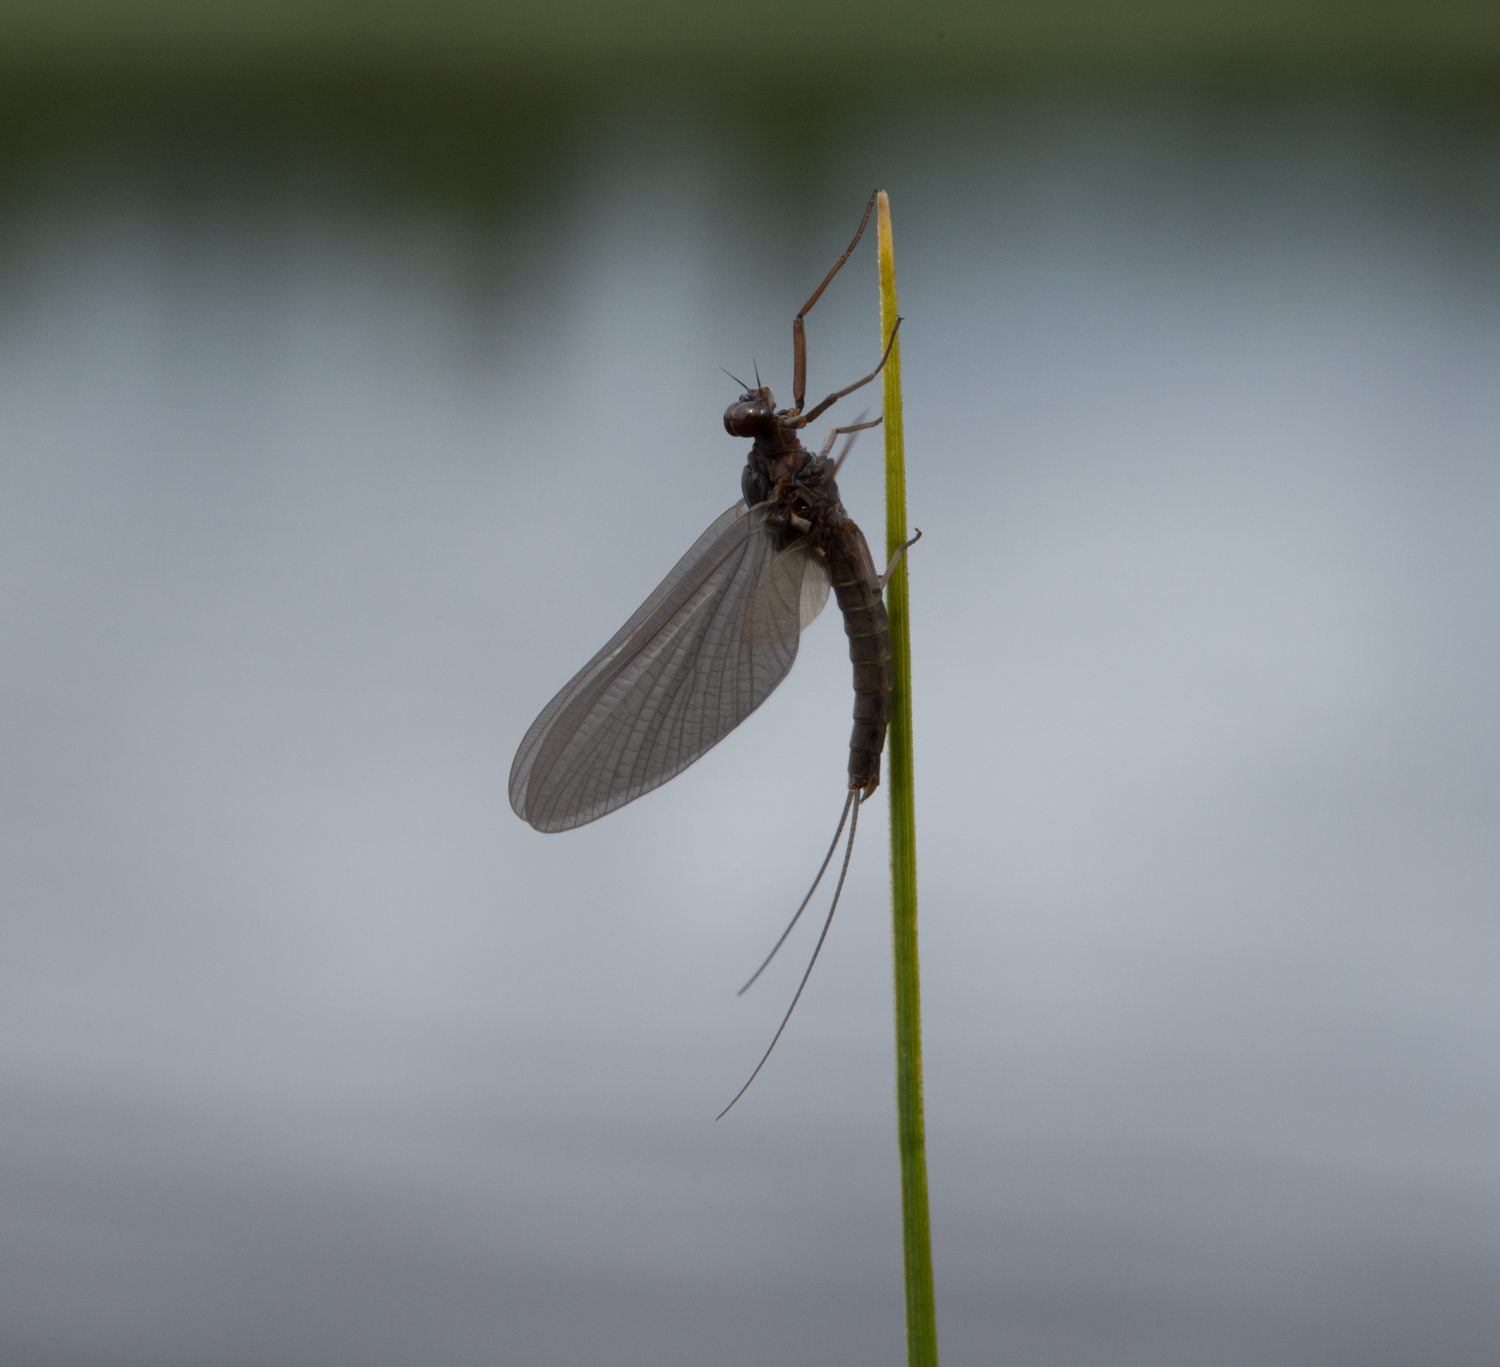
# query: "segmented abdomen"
857,588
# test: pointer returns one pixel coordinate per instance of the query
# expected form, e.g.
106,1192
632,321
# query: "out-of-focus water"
311,1053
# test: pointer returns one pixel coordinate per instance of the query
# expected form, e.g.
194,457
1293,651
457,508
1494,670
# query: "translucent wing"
788,598
676,679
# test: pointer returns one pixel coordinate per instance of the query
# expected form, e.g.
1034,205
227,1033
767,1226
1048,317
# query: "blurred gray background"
346,408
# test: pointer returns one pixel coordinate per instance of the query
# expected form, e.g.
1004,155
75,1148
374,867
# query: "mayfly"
721,631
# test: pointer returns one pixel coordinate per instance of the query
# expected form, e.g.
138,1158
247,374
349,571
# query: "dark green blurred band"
747,42
470,105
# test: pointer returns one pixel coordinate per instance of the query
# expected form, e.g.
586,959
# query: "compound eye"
748,418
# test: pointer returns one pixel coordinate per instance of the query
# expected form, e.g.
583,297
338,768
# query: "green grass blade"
921,1314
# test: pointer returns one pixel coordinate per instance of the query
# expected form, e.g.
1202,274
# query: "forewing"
676,679
788,598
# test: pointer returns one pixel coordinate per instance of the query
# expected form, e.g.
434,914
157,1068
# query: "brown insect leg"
849,389
839,431
900,551
799,335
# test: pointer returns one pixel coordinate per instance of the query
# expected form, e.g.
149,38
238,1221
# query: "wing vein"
681,674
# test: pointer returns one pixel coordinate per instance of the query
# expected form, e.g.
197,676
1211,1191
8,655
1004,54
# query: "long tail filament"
827,859
853,800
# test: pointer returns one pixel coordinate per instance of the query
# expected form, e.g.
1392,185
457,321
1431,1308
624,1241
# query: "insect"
721,631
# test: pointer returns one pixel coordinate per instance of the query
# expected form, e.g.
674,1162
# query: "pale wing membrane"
668,686
788,598
815,589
